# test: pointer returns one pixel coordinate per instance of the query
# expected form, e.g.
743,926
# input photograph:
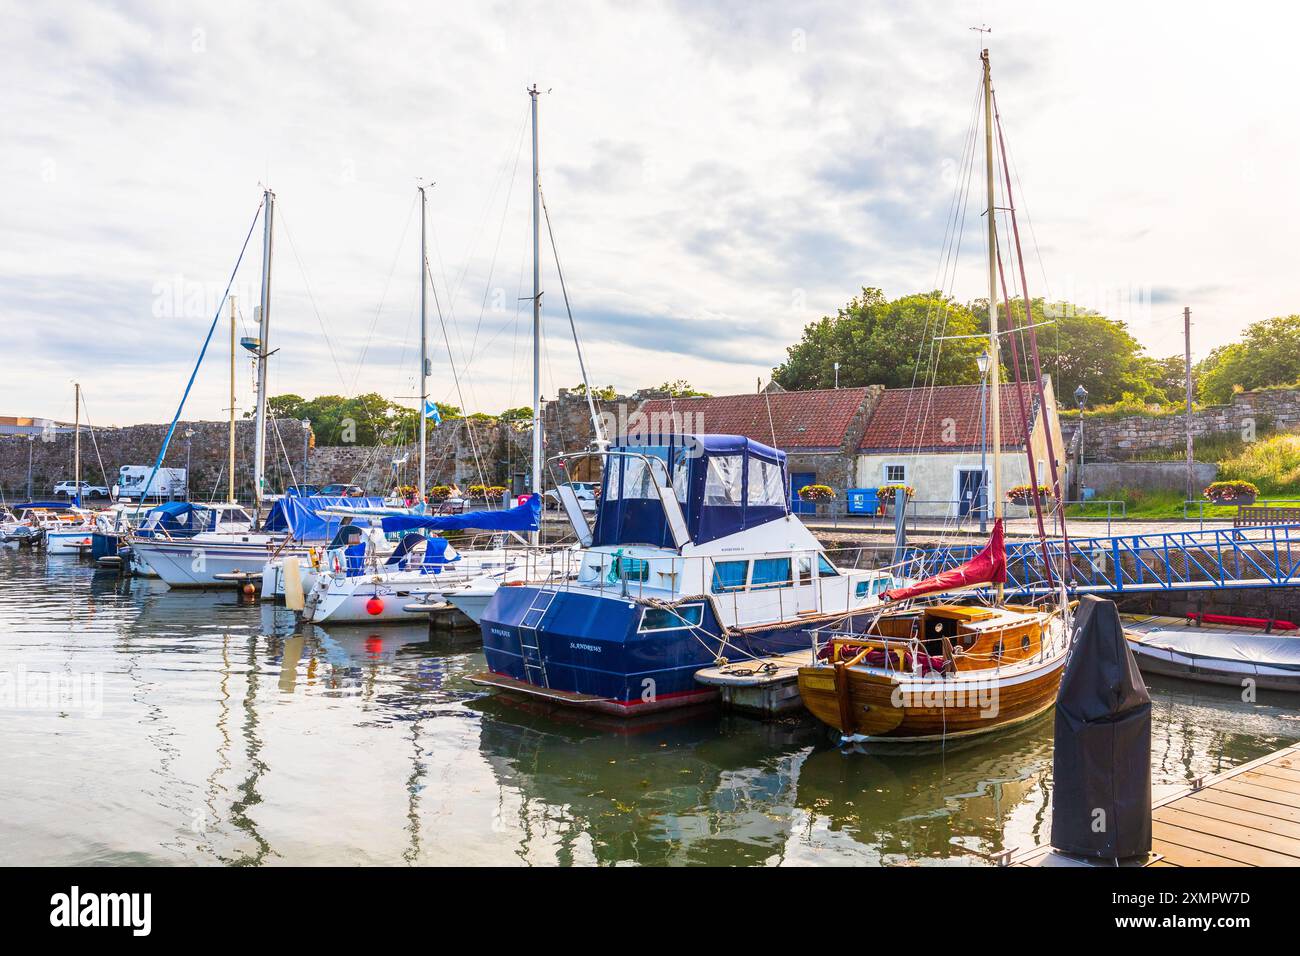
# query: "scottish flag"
431,412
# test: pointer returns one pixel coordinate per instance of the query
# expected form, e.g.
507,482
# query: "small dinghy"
1218,655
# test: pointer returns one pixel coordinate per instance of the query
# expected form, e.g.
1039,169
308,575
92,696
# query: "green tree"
1268,354
602,393
1082,347
523,413
681,389
882,342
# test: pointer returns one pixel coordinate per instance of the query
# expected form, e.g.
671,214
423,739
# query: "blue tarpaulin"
524,517
297,516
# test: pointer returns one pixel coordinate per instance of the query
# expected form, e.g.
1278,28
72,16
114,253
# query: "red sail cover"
987,567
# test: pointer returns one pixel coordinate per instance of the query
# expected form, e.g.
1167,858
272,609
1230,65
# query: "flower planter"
1238,500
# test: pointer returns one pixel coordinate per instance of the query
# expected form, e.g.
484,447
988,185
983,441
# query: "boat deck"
1248,816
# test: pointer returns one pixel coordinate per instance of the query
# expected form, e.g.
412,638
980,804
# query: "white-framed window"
895,473
1042,472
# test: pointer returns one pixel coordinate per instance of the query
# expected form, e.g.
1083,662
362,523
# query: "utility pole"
1187,370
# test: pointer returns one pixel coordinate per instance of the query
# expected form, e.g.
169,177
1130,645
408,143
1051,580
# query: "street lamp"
1080,398
306,437
189,433
982,360
837,374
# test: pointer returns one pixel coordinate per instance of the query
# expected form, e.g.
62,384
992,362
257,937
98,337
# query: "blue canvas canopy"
56,505
296,515
724,484
523,517
178,519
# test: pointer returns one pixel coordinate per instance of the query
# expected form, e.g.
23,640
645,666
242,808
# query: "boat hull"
186,564
862,703
66,542
1170,663
585,649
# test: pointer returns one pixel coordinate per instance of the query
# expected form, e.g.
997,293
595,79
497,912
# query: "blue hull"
590,644
103,545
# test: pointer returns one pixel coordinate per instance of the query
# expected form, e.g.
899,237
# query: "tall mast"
537,313
76,442
995,353
230,466
424,349
263,353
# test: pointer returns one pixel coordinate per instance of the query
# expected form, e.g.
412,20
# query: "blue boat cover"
296,515
524,517
724,483
57,505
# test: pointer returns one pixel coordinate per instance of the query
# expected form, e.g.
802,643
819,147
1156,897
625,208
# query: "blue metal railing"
1166,561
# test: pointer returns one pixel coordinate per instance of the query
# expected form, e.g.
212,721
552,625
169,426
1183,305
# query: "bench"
1253,516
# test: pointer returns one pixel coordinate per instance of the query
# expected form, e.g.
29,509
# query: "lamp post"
1080,398
189,434
306,438
31,444
837,374
983,362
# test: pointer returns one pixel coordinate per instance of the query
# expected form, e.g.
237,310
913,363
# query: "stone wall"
1109,478
1119,439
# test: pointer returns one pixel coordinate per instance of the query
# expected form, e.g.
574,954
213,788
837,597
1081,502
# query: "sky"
718,175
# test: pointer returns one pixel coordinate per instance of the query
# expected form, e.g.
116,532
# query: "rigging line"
329,344
952,233
577,346
95,442
453,292
505,210
361,359
202,352
451,362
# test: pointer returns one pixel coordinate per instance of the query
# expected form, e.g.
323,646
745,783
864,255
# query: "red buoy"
374,606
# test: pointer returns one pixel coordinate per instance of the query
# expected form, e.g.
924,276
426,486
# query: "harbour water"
211,730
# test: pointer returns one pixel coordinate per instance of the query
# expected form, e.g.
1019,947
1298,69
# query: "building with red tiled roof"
932,440
819,430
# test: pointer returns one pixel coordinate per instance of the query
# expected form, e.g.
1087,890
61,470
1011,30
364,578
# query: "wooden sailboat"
943,670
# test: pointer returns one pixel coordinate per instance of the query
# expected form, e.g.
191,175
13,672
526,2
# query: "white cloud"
718,177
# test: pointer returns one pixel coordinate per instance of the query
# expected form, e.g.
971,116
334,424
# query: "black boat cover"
1101,764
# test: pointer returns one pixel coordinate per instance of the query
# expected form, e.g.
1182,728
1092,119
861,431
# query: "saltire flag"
431,412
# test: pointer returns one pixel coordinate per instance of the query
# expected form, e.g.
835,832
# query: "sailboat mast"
995,387
230,465
76,442
263,354
424,350
537,312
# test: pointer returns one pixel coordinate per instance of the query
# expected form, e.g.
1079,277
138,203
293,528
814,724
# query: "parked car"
302,490
342,491
584,490
88,490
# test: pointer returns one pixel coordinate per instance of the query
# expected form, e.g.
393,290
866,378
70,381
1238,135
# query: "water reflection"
232,735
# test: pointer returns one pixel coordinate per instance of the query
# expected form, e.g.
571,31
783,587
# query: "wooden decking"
1248,816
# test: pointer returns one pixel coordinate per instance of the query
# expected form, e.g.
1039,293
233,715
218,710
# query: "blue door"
970,491
798,480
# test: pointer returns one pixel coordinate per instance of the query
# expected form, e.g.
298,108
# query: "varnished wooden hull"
895,707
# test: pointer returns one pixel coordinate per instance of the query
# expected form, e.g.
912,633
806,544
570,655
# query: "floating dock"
768,686
1248,816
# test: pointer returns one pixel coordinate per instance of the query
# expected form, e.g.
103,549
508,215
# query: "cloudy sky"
718,175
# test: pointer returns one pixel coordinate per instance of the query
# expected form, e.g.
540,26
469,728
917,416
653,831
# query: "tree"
524,413
1082,347
680,389
1268,354
883,342
605,393
1168,377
